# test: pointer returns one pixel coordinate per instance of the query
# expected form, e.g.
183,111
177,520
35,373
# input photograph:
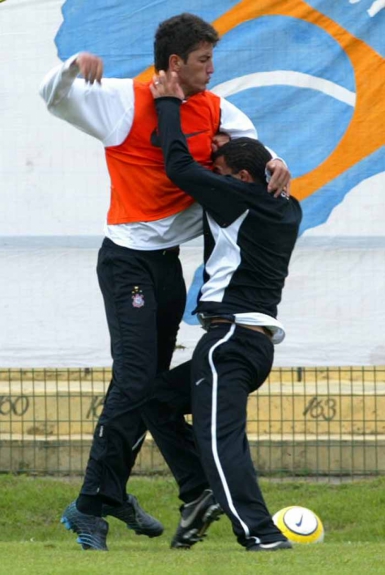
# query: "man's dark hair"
245,154
181,35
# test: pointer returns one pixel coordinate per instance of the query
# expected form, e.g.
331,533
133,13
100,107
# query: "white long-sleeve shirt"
106,112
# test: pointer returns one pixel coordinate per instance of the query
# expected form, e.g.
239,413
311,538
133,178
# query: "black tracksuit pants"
144,296
228,363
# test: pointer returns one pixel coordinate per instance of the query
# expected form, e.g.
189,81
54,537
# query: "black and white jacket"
249,235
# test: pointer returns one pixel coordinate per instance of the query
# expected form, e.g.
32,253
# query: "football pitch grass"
32,540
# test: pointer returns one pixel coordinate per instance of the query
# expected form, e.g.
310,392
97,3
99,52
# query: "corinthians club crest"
137,297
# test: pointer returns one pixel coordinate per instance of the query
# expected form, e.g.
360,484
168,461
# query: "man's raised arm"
102,110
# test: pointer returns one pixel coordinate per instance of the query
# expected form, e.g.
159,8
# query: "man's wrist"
71,65
169,98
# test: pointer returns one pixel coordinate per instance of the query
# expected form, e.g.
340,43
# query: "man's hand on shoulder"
280,178
90,67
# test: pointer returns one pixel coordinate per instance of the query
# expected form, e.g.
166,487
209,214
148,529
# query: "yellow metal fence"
303,421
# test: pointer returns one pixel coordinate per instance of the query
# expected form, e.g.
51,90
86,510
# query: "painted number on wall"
16,405
325,409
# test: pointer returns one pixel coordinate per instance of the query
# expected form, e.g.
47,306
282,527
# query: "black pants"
144,296
228,363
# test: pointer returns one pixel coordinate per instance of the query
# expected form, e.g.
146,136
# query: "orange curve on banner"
366,131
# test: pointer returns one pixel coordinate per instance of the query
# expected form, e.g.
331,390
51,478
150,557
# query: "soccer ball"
299,525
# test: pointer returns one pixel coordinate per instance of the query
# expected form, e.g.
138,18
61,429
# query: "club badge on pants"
137,297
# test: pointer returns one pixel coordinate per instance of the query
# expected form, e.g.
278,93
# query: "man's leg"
170,295
228,363
126,281
170,290
110,459
164,417
175,440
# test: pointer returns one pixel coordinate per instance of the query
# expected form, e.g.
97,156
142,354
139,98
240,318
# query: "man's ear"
245,176
174,63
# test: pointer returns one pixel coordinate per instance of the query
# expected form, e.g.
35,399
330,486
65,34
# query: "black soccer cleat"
196,517
276,546
131,513
92,531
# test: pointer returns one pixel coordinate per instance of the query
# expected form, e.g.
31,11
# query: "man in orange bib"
139,271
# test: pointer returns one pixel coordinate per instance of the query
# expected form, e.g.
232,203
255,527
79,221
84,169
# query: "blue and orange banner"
309,75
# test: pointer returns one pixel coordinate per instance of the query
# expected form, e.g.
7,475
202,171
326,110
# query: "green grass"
32,541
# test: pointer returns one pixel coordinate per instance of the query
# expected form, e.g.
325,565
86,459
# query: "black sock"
90,504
